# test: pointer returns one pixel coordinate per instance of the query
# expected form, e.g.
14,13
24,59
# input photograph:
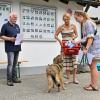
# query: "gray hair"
13,14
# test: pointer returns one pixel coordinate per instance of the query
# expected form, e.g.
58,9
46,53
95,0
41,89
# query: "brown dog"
54,74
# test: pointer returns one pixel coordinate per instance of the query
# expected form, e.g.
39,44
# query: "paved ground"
35,88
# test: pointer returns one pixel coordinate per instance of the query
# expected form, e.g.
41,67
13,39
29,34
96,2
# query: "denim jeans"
12,58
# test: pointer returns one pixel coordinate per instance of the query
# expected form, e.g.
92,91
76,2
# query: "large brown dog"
54,74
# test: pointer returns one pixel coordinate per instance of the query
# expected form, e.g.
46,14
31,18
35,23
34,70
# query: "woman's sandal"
76,82
90,88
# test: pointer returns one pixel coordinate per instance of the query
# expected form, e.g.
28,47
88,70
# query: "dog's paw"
63,88
58,89
49,91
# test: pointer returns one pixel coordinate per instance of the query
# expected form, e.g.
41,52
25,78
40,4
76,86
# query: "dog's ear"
57,59
54,60
48,64
60,59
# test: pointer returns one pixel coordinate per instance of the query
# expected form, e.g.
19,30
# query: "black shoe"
10,83
17,81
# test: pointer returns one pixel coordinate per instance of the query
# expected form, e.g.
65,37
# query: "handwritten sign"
38,22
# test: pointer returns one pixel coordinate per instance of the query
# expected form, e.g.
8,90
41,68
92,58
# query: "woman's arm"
56,35
75,33
88,45
89,42
89,28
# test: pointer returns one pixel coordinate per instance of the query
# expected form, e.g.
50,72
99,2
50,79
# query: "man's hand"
12,39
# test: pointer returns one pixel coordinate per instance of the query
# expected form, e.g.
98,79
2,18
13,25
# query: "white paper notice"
19,39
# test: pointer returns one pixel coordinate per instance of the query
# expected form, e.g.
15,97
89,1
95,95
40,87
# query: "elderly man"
8,33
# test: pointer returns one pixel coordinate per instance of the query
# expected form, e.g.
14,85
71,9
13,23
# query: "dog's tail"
55,81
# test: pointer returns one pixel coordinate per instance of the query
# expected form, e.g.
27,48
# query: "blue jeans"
12,58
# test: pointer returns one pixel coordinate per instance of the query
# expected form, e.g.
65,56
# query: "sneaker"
10,83
17,81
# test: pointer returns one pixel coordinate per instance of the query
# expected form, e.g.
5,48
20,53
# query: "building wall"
95,12
39,53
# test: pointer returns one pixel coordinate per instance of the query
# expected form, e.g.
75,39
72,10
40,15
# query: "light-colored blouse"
88,30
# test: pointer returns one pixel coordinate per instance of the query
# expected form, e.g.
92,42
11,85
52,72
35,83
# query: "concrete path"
35,88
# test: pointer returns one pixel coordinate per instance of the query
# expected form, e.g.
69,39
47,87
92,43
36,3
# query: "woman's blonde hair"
66,15
84,14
